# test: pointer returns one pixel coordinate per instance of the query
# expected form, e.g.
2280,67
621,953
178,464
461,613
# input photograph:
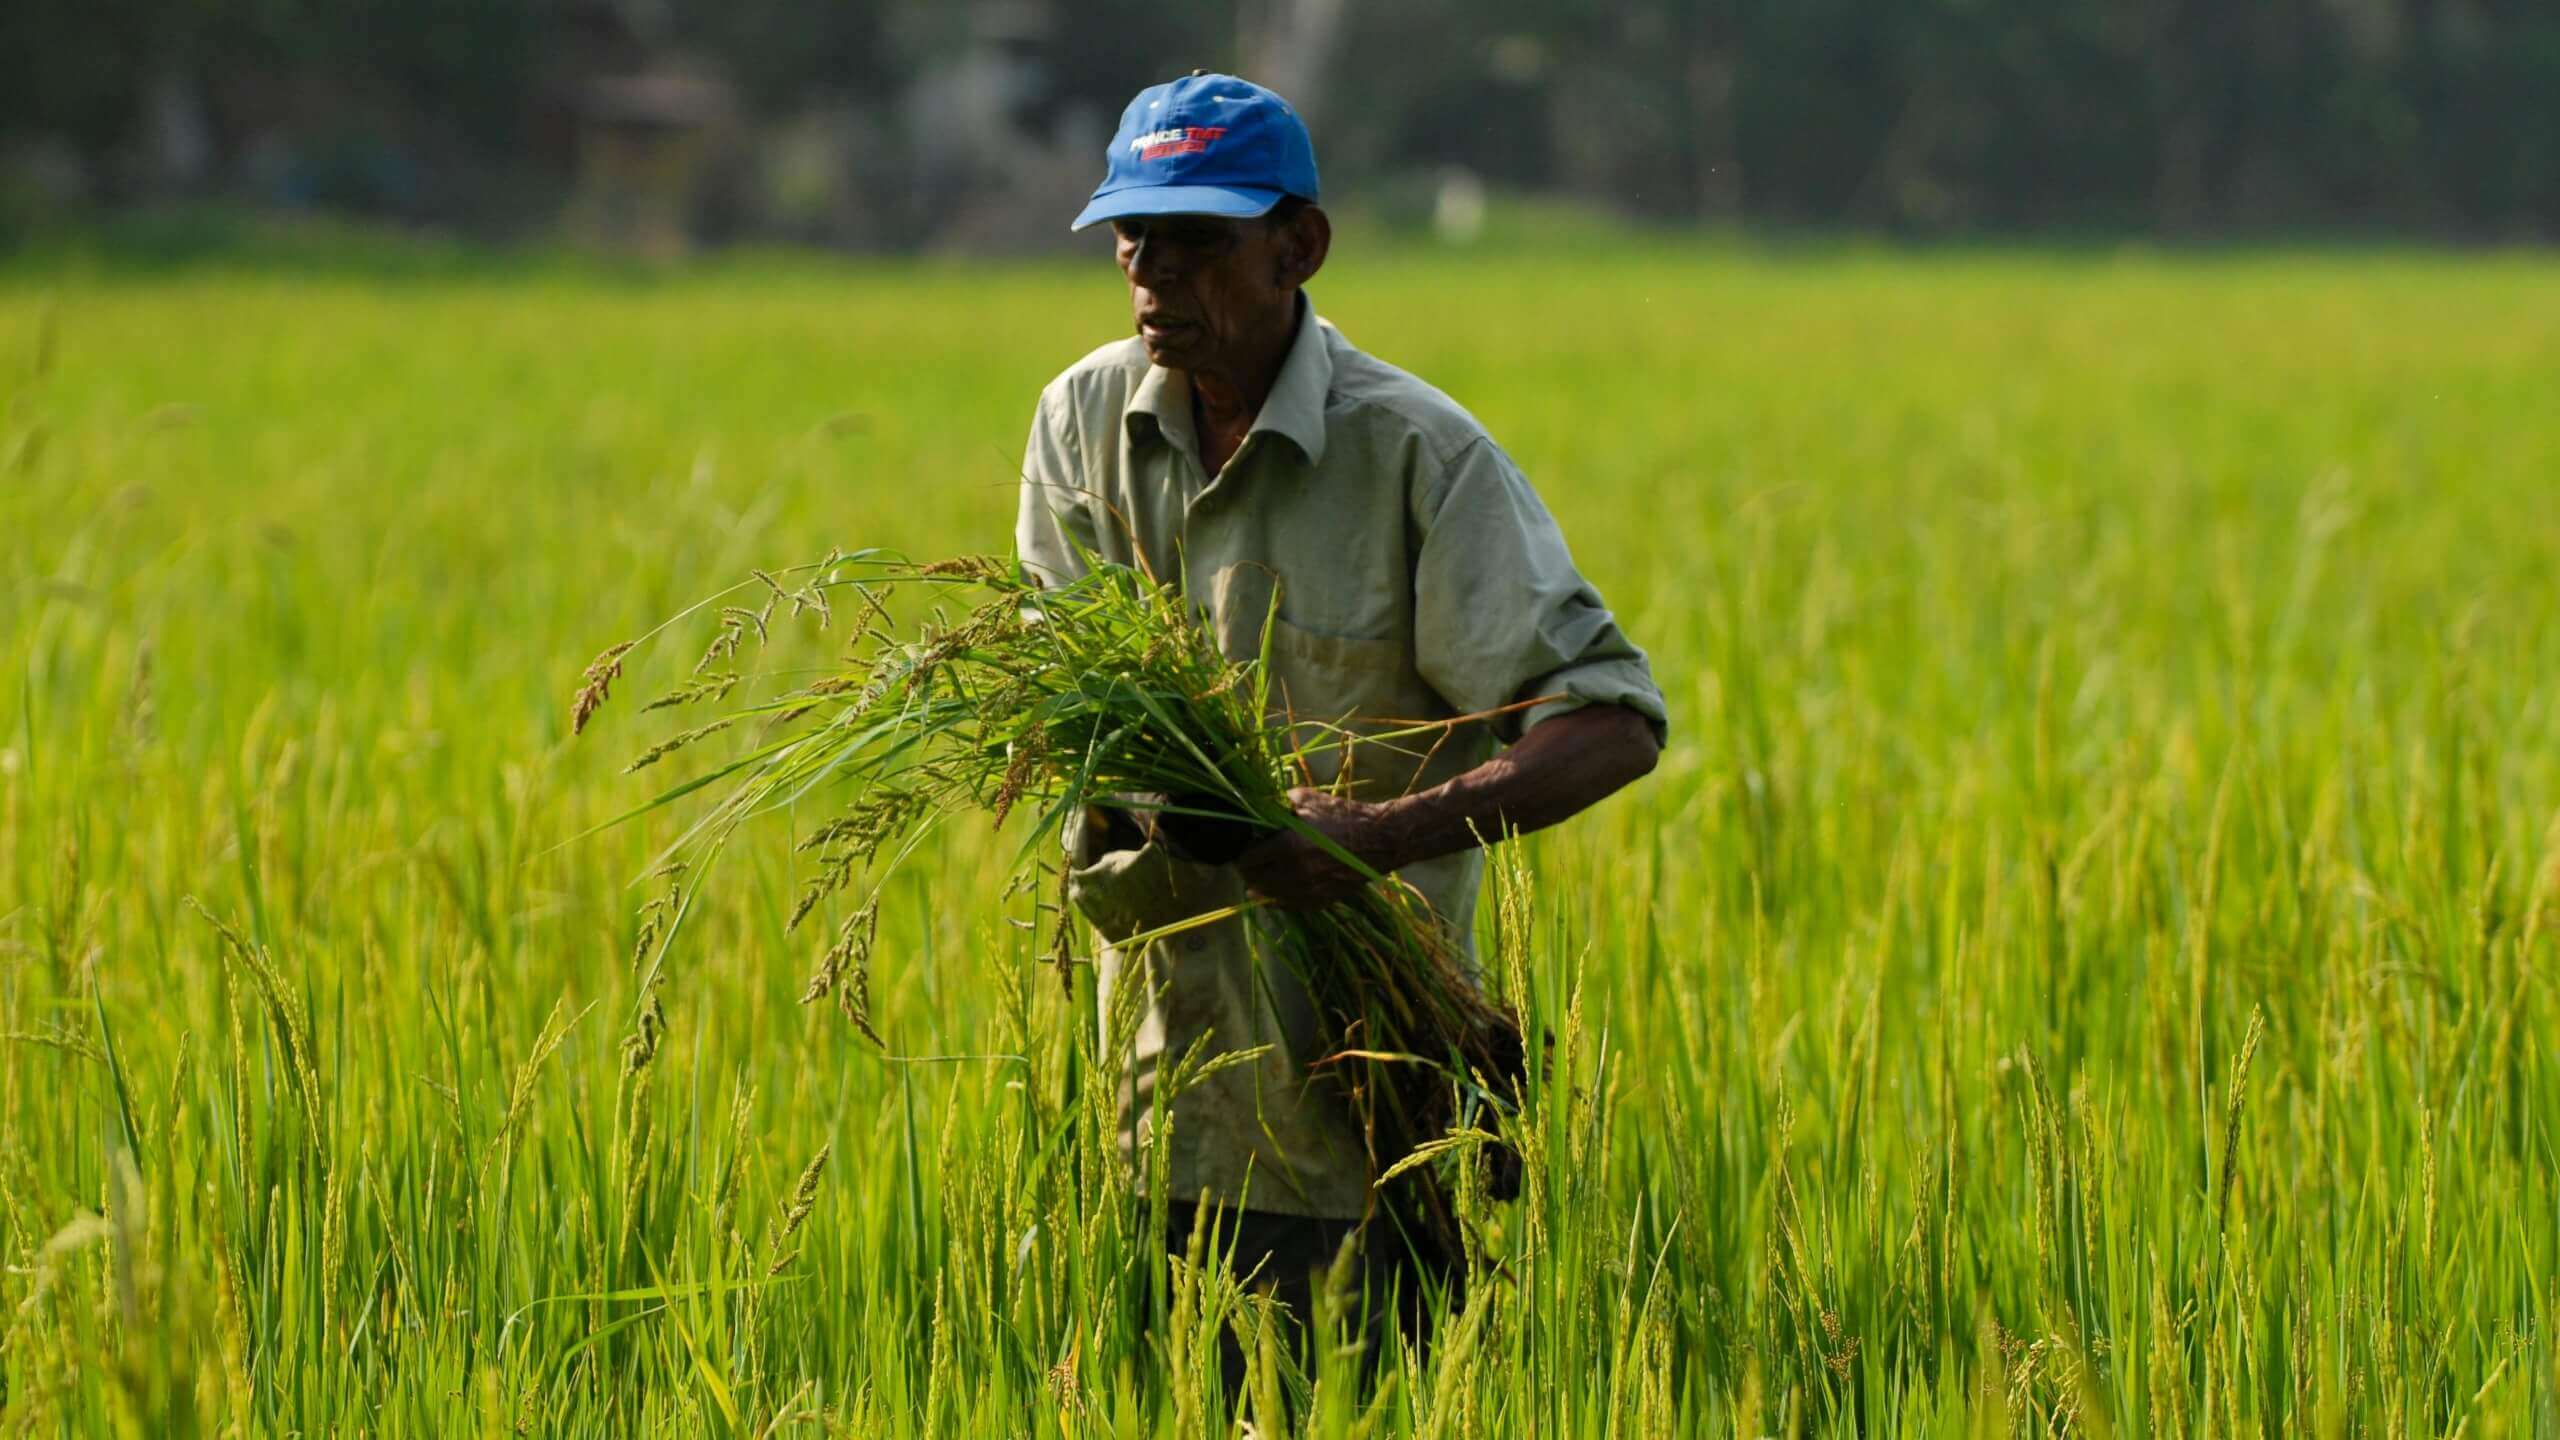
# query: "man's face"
1206,290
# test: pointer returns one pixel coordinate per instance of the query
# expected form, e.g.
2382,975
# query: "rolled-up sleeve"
1500,613
1053,531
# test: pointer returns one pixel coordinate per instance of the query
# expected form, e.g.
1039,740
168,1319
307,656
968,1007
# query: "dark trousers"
1288,1256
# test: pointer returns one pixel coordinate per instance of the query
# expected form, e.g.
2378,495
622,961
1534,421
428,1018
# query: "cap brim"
1233,202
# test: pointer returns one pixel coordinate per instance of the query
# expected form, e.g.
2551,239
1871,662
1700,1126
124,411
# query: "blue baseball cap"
1204,145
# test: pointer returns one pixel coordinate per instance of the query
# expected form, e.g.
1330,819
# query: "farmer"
1240,447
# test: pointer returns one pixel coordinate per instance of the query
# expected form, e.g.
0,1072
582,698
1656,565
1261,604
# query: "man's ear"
1306,242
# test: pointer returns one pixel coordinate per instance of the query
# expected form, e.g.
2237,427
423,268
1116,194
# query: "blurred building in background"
648,120
656,126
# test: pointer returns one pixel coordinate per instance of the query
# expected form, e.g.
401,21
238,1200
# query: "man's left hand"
1291,869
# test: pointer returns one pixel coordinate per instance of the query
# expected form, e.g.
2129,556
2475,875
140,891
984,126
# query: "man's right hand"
1293,869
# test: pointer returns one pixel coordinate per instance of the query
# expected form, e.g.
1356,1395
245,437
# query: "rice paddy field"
2085,965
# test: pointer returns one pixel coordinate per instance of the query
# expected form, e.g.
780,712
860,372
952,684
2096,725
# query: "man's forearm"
1556,771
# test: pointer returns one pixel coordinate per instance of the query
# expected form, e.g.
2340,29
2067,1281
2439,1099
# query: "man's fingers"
1294,871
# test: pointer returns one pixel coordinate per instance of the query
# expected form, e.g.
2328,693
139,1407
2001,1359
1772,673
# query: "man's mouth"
1164,327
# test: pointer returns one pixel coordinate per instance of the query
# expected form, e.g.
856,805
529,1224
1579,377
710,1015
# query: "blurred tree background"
659,125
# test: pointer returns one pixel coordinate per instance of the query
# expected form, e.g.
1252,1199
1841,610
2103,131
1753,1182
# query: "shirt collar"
1293,410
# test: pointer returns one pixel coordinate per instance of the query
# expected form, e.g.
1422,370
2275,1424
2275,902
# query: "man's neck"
1226,402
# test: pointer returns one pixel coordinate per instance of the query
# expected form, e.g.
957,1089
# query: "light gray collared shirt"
1408,573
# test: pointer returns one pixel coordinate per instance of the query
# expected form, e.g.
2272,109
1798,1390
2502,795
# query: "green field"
2086,962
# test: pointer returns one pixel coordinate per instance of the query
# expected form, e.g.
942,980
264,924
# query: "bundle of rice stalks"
1023,700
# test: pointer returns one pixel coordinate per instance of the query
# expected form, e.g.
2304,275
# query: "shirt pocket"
1341,694
1326,678
1328,685
1317,674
